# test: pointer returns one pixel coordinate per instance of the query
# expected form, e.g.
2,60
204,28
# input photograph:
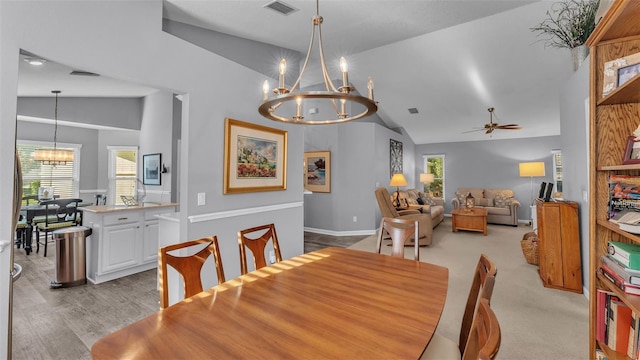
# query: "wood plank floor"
64,323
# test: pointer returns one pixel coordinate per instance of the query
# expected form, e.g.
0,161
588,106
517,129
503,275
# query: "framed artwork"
255,158
632,151
317,171
619,71
151,164
395,162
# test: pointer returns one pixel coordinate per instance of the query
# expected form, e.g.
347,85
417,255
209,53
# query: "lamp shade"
426,178
530,169
398,180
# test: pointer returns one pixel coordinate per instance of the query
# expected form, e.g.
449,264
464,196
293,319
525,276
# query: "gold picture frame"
619,71
317,171
255,158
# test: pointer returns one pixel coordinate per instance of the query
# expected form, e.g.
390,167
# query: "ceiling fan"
491,126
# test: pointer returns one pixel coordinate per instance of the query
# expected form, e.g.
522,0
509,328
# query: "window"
123,173
557,169
434,164
63,178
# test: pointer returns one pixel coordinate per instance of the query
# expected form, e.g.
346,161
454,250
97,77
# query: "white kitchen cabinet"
124,240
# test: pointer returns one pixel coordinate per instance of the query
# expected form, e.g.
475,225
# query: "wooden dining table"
331,303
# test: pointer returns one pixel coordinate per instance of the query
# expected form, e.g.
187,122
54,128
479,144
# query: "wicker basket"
529,245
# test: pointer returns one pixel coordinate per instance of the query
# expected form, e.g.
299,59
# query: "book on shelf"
632,346
618,281
630,228
629,275
622,323
628,255
624,194
618,205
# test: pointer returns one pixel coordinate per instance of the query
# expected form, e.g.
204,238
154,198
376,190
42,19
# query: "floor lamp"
426,179
531,169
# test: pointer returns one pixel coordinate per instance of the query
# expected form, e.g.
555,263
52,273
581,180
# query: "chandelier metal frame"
54,156
338,97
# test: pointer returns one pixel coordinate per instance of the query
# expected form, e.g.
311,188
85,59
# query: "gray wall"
493,164
575,154
122,113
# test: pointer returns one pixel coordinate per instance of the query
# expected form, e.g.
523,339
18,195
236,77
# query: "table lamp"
397,180
426,179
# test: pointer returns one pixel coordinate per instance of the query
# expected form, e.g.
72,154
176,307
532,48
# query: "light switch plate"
202,199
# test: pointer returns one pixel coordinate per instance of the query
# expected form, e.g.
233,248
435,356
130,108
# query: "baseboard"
339,233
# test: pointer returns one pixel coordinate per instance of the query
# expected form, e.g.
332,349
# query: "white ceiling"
449,59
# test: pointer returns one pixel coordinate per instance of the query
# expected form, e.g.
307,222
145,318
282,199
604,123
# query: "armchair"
387,209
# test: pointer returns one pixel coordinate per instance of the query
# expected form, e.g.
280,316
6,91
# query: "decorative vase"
578,54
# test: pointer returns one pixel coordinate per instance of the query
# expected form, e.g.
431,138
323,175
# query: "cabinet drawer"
151,214
121,218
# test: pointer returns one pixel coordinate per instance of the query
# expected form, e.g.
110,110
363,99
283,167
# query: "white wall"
123,40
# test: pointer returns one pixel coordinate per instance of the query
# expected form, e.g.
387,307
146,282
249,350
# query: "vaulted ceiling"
450,60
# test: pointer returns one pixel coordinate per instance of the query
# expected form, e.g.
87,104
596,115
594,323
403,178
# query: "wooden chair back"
400,230
257,245
189,266
484,339
481,288
65,210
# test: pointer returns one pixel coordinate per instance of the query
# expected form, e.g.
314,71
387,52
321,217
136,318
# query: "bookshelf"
612,119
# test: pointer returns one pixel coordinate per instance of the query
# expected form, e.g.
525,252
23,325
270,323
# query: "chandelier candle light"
54,156
338,98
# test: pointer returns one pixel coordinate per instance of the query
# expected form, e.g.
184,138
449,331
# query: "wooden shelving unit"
612,119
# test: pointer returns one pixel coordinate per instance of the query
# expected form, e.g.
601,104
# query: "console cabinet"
559,245
612,118
124,240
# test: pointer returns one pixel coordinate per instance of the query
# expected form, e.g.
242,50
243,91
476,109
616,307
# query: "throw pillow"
462,198
484,202
502,201
426,199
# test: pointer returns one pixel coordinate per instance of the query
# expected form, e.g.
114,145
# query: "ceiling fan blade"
489,131
464,132
509,127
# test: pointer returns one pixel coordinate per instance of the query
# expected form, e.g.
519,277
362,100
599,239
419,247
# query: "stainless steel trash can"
70,256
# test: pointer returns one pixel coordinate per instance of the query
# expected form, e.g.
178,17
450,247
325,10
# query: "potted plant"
568,25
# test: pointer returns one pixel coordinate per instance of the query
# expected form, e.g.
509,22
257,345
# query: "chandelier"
341,99
53,156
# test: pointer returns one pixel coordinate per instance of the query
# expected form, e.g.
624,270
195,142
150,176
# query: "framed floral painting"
255,158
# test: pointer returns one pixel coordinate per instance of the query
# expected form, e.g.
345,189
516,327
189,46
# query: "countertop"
114,208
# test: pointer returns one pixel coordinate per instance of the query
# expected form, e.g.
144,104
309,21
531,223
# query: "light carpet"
536,322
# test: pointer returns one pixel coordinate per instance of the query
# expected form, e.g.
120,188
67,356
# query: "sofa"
428,215
501,204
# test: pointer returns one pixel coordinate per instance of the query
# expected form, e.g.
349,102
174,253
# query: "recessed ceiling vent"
413,111
280,7
83,73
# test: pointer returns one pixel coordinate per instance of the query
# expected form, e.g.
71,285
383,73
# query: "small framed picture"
151,164
627,72
317,168
632,151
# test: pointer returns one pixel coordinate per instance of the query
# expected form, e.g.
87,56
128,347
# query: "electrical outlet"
272,257
202,199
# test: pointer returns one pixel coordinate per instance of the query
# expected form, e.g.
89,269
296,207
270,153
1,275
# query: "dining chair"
483,342
257,245
481,288
60,213
189,266
400,231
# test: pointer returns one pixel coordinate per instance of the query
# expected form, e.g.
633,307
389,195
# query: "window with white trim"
64,178
123,173
434,164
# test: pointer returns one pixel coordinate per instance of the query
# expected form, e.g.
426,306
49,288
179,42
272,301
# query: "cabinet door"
120,247
150,243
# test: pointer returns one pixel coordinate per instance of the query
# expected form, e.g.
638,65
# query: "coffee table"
474,219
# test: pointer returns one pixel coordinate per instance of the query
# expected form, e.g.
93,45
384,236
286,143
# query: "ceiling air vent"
413,111
83,73
280,7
